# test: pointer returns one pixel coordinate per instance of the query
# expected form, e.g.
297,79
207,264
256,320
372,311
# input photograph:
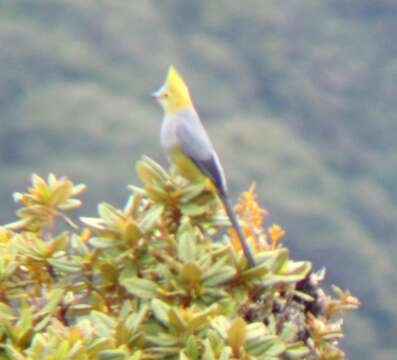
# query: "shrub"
150,282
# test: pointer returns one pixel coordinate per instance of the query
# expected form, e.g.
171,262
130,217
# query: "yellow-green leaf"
142,288
151,217
237,333
160,310
109,214
186,238
132,232
190,273
176,320
60,193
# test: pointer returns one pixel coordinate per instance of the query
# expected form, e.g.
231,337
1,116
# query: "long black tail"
232,216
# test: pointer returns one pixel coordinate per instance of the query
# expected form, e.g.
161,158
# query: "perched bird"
188,146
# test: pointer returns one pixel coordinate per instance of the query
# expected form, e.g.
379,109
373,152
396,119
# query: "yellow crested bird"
188,146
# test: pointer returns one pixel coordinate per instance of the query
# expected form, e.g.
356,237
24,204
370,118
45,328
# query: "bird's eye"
165,95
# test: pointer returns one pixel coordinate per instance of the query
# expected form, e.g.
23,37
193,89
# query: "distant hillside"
297,96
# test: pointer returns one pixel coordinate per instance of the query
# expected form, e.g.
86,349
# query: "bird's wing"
195,144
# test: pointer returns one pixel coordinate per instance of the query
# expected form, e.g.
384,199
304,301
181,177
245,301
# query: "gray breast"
171,123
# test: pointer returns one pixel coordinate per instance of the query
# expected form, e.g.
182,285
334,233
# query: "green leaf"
190,273
208,352
142,288
150,172
37,211
289,278
302,295
201,318
255,272
112,355
298,268
297,350
6,312
52,179
183,356
13,353
78,189
215,268
151,217
25,320
261,343
20,224
176,320
221,325
54,297
161,174
40,185
225,274
103,243
160,310
103,324
62,350
7,267
192,348
132,232
109,214
129,271
225,354
186,238
94,223
136,189
60,193
58,244
70,204
193,209
65,265
135,320
136,356
236,334
23,330
281,261
166,341
191,191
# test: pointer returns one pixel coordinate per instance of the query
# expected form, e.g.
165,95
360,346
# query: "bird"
188,147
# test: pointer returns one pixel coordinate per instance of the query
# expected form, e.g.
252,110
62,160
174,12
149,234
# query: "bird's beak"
157,94
154,95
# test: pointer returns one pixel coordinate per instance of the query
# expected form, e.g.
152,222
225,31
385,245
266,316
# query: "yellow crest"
175,82
174,94
178,96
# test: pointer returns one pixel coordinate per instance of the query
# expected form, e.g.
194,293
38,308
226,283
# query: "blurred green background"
299,96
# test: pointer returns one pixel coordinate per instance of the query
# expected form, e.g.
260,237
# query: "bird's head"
174,94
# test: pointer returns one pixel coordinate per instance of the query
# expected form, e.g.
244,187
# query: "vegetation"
304,90
149,282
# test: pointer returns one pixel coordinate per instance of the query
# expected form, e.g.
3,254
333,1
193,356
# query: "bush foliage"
150,282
